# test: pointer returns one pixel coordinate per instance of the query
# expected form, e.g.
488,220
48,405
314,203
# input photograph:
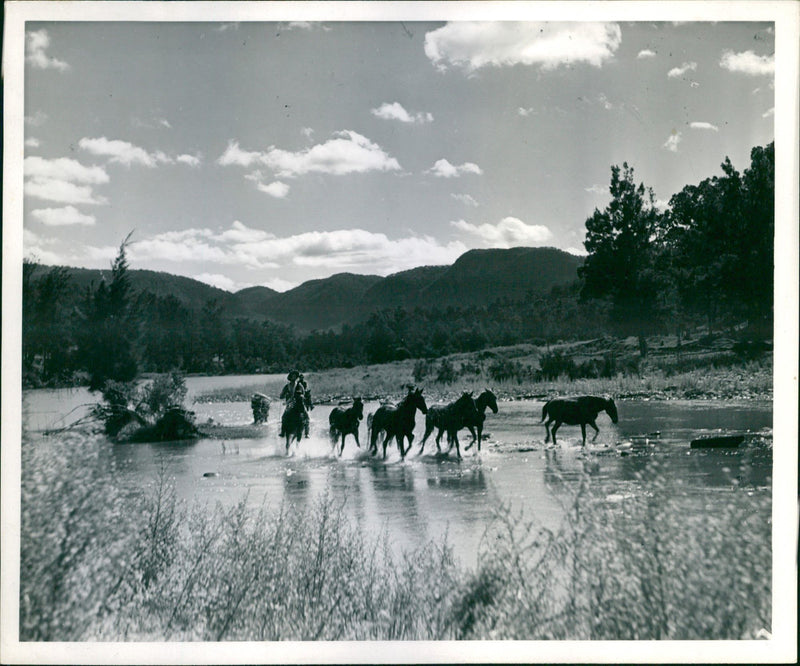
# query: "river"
427,495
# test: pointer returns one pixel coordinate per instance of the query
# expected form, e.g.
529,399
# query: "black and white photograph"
399,332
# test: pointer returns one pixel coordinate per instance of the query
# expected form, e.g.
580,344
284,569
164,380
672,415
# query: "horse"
260,406
450,417
484,400
397,421
577,411
295,422
345,422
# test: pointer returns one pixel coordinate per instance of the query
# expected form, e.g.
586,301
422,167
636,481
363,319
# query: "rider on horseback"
295,393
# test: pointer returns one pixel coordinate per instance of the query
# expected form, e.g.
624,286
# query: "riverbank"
656,380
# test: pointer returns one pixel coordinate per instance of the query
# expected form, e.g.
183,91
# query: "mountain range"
476,277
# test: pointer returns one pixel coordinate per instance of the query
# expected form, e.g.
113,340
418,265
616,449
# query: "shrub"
446,373
556,364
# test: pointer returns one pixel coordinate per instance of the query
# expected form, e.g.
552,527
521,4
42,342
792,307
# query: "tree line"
705,260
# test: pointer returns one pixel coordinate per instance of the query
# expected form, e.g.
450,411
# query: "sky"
266,153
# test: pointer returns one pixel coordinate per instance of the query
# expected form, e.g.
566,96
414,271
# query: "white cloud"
676,72
234,155
343,249
307,132
61,217
395,111
35,247
276,189
191,160
348,152
32,142
279,284
661,204
63,168
443,169
508,232
123,152
465,199
768,113
61,191
36,43
703,126
597,189
646,53
37,119
525,112
218,280
474,45
672,142
748,63
577,251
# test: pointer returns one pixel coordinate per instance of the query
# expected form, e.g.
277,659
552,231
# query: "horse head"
418,401
487,399
611,409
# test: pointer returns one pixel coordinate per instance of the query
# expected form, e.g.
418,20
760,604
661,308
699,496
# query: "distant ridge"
477,277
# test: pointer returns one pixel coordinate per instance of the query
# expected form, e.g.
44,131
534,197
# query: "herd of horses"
397,421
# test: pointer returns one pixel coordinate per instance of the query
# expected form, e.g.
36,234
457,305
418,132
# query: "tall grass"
99,565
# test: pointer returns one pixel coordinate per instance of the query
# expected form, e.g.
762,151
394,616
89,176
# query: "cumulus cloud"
346,153
32,142
342,249
508,232
63,168
748,63
704,126
279,284
219,281
276,189
36,45
676,72
62,181
443,169
597,189
191,160
62,217
646,53
123,152
525,112
465,199
60,191
577,251
472,45
395,111
672,142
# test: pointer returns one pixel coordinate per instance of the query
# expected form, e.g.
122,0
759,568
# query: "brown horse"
576,411
397,422
450,418
345,422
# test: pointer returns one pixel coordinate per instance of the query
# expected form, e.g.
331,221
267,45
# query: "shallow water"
427,495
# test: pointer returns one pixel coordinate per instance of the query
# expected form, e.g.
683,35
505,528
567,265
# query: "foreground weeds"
97,564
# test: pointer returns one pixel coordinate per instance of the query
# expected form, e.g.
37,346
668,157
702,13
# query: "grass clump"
647,567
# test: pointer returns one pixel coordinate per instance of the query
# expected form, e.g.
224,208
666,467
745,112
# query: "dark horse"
345,422
295,422
398,422
577,411
450,418
484,400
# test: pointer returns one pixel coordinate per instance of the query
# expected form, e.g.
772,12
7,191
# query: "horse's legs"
355,434
385,441
552,431
428,431
438,439
480,435
453,437
547,430
596,429
474,439
583,432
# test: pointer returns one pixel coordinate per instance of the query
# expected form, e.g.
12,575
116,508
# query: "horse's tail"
544,411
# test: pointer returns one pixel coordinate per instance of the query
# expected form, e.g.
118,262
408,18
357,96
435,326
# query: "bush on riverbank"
99,564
